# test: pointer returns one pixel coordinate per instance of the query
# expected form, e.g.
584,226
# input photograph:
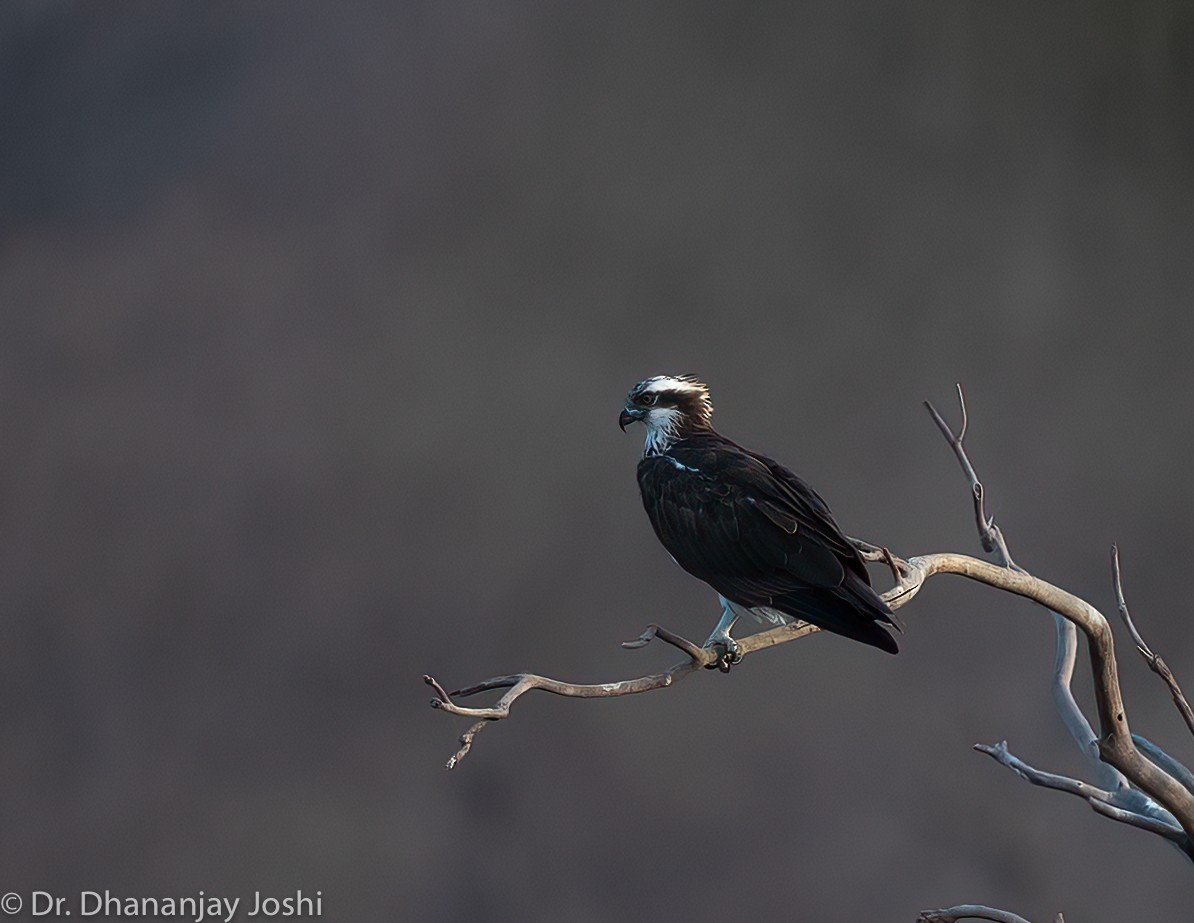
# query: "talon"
721,641
728,656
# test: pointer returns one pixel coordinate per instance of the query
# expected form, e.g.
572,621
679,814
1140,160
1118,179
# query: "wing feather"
760,536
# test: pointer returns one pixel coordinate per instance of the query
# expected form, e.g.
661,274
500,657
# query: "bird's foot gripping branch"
1138,783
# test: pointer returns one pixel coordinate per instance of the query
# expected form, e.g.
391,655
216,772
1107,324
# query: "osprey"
746,525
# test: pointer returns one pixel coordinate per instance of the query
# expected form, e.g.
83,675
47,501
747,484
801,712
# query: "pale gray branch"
1155,825
1155,663
1000,753
1066,653
1176,769
1115,744
1117,799
989,534
969,912
1124,805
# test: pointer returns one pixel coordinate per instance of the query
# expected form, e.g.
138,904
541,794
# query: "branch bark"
521,683
1155,663
1117,799
969,912
1115,743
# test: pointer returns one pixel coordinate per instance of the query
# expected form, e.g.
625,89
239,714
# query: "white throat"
662,425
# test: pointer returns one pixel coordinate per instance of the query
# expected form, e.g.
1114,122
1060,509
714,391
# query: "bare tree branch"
1135,819
1124,805
522,683
1176,769
969,912
1117,799
989,533
1155,663
1115,742
1000,753
1065,657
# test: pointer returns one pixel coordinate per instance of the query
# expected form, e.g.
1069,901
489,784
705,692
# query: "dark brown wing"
760,536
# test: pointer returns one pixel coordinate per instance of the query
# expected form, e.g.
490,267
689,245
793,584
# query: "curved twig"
989,533
521,683
1155,663
969,912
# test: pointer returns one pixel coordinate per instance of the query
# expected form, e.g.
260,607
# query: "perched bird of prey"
746,525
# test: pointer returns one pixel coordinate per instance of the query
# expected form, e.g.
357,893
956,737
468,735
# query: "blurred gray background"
316,324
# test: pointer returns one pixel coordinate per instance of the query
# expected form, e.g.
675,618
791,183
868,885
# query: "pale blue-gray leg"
721,634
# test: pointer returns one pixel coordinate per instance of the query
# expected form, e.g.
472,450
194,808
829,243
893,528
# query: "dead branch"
522,683
1176,769
969,912
1155,663
1115,743
1125,805
989,534
1117,798
1065,658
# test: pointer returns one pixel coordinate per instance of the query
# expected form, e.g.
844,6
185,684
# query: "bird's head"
671,407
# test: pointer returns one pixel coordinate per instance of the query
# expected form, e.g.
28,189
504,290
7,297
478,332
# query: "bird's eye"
647,399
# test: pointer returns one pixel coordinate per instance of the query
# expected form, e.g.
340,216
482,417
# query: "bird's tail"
853,610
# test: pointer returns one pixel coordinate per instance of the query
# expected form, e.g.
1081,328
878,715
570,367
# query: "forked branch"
521,683
1114,797
1115,744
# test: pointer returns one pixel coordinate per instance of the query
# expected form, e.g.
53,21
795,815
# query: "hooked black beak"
627,417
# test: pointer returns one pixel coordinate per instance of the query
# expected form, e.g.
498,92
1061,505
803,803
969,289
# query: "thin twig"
1154,661
1124,805
1000,753
521,683
969,912
466,743
989,533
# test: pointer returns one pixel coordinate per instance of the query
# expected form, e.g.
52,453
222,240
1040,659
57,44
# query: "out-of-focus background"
317,320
